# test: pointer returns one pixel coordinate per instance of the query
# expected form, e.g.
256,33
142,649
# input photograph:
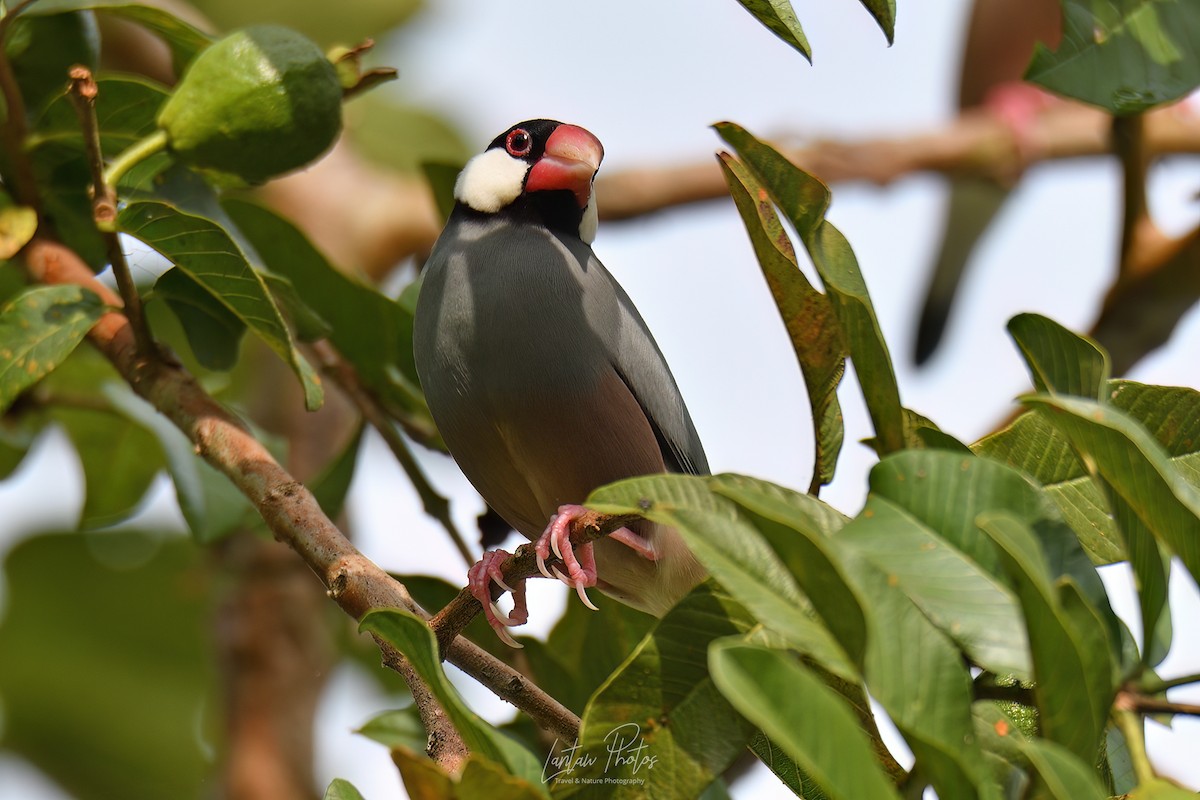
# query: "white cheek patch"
490,181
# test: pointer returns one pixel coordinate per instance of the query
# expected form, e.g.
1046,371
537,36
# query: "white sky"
648,78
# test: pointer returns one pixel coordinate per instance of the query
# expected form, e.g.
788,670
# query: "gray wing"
637,359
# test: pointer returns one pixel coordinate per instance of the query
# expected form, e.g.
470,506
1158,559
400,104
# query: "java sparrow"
542,377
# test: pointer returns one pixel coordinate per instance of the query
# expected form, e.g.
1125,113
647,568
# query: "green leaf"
584,649
184,39
412,637
806,719
342,790
1060,361
661,712
126,107
1128,458
1073,669
333,483
120,460
1063,775
483,779
403,137
962,600
397,728
214,332
138,605
441,178
728,545
211,504
785,768
807,315
370,330
208,254
803,200
1125,56
919,677
41,49
799,528
884,12
39,328
780,19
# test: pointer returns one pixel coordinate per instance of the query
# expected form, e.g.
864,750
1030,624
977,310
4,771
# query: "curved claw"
583,596
561,577
500,616
541,563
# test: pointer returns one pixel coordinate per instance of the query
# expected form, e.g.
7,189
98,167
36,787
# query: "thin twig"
1145,704
292,514
448,623
83,93
344,374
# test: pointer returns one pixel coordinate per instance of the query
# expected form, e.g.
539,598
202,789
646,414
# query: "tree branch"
83,91
448,623
15,127
354,582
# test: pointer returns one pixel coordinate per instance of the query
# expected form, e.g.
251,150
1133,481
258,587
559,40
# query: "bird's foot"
480,579
580,562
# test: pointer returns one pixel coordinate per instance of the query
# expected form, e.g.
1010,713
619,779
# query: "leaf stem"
1156,685
83,91
133,155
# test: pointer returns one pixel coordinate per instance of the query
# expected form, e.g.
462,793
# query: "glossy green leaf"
1137,468
342,790
735,554
1125,56
39,328
370,330
807,315
126,107
661,712
803,200
40,50
1062,774
214,332
1060,361
805,718
779,17
184,39
209,255
1074,682
412,637
138,605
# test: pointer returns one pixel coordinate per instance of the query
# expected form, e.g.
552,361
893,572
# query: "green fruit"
260,102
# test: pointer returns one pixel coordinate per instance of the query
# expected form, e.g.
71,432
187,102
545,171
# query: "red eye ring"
518,143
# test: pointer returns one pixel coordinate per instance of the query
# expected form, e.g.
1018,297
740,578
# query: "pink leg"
581,563
479,580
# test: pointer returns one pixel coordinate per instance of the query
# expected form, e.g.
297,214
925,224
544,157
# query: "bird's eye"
518,143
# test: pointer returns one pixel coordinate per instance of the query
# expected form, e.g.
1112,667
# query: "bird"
542,377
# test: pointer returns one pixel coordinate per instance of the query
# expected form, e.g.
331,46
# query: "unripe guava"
257,103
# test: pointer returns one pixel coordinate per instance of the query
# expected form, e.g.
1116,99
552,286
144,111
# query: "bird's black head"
539,169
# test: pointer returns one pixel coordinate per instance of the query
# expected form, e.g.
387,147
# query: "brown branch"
292,514
83,91
346,378
1128,700
448,623
1129,145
